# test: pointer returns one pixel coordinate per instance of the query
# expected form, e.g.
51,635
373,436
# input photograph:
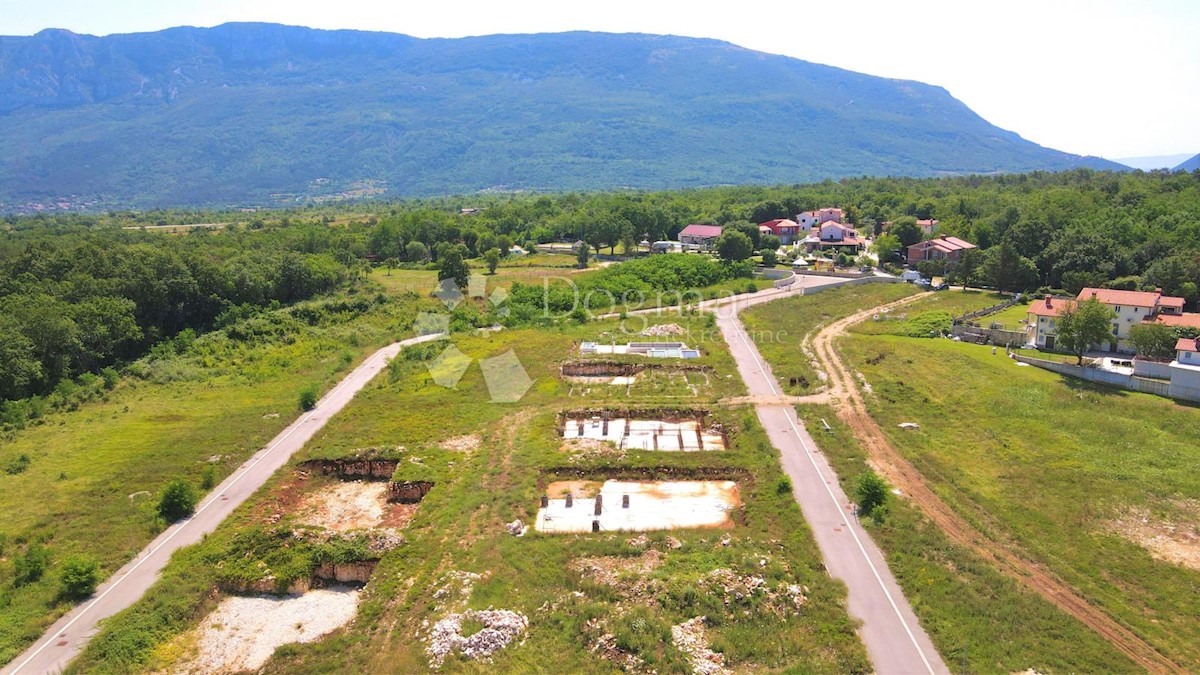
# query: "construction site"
662,430
636,506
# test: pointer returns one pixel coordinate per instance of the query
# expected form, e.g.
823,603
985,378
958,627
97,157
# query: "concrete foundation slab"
633,506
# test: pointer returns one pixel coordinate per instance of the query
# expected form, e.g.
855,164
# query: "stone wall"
408,491
380,469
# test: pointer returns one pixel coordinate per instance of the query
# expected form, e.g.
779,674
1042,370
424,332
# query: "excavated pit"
652,379
401,492
655,430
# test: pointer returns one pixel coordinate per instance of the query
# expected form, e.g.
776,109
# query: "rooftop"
1188,319
1049,306
701,231
1112,296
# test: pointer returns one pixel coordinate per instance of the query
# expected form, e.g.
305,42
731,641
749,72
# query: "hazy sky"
1100,77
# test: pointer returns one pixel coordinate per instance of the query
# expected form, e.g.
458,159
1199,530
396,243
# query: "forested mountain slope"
270,114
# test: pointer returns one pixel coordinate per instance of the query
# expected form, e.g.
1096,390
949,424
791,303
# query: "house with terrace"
944,248
811,219
834,236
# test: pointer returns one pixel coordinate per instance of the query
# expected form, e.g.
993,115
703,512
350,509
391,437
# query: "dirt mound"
609,569
345,506
462,443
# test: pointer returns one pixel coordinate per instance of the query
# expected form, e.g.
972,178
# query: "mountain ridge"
265,113
1192,164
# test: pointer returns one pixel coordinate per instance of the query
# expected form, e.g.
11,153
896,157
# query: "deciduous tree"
1084,324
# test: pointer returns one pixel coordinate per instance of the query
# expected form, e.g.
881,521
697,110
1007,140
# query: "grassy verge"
459,528
94,474
779,327
1052,464
980,620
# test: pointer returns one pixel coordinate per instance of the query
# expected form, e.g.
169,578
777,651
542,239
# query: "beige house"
1131,308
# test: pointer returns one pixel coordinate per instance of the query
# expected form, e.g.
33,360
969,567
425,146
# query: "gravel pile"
664,330
501,627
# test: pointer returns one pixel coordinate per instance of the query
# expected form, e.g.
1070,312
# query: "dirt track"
852,410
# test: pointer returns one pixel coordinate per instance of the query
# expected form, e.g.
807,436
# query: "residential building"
811,219
833,235
788,231
1185,370
700,236
948,249
1042,315
1131,308
927,227
1181,320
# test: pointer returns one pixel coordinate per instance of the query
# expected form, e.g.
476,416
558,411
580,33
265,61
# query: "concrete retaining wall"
854,282
1158,369
1130,382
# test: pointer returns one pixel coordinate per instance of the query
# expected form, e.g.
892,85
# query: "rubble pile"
739,588
688,637
500,627
664,330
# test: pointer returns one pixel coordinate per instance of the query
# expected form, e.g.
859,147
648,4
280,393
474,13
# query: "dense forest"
81,294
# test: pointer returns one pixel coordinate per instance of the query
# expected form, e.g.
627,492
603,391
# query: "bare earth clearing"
243,632
353,505
1174,541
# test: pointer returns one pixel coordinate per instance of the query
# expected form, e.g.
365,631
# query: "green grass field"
779,327
95,473
459,527
1050,463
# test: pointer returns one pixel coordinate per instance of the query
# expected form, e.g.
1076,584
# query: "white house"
1131,308
810,219
1185,370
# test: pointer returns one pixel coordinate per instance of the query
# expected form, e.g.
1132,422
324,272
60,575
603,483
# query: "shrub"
110,377
31,565
17,464
308,398
783,486
79,577
208,478
178,500
872,493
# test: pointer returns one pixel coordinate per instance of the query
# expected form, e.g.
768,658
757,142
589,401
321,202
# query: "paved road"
68,636
893,637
